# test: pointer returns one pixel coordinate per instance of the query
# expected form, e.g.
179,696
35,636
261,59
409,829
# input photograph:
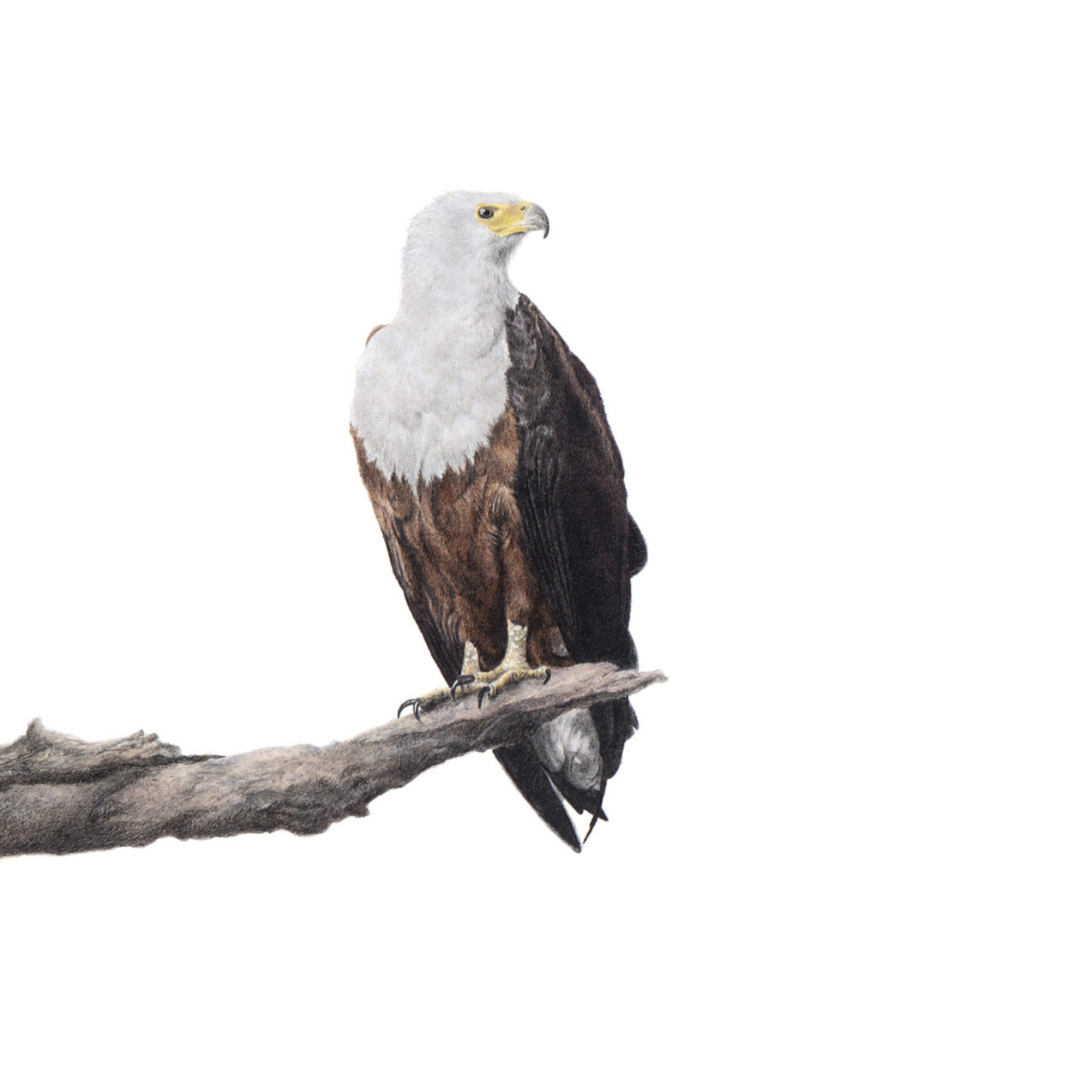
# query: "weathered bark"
61,795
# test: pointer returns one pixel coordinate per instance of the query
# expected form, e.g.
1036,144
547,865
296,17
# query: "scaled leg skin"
513,668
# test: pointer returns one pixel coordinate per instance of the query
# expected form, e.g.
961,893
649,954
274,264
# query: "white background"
823,261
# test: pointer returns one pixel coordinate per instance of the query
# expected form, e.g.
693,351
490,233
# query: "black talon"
547,677
480,697
458,683
415,703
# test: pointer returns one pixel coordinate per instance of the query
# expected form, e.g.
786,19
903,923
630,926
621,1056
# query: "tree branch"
60,795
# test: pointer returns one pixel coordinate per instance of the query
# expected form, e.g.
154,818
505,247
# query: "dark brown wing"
580,539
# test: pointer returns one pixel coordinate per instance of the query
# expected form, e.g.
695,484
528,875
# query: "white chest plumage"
430,389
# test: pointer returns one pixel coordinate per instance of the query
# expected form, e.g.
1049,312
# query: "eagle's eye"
486,212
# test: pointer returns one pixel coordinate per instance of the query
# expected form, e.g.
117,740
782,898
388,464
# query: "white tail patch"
569,745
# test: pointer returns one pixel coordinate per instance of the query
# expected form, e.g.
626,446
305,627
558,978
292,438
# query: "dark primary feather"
533,782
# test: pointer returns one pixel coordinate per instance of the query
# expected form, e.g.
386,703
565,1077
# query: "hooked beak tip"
536,218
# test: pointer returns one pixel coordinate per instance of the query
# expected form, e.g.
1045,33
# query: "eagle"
495,479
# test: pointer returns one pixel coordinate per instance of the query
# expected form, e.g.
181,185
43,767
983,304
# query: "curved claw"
458,683
414,703
547,678
480,697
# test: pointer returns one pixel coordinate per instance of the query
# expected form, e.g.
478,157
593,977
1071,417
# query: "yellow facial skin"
515,218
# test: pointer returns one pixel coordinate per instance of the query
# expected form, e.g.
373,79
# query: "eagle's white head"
459,246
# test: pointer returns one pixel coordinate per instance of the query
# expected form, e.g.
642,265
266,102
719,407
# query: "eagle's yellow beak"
516,218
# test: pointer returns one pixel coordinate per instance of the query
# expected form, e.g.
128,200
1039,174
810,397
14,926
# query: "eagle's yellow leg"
513,668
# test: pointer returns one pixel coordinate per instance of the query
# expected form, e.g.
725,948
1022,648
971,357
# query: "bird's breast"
427,402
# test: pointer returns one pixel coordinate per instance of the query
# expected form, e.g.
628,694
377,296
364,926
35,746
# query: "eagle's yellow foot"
514,668
508,678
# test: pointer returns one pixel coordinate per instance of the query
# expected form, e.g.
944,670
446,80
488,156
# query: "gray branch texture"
60,795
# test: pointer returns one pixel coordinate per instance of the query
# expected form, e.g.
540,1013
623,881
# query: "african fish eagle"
498,487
